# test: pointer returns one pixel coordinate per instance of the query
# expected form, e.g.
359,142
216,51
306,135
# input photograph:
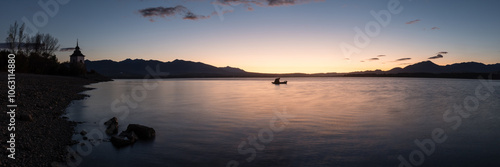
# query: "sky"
271,36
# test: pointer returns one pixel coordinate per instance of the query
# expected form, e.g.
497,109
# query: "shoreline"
493,76
42,134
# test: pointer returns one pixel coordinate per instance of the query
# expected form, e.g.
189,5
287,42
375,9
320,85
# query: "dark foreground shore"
41,134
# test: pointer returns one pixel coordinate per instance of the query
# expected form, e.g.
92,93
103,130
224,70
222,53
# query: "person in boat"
277,80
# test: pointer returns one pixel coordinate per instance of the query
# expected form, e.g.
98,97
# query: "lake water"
307,122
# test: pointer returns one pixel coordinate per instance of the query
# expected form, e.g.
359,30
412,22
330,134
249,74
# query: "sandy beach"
41,133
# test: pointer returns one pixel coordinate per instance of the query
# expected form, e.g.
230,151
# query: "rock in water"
83,132
125,138
113,120
112,126
143,132
112,129
130,135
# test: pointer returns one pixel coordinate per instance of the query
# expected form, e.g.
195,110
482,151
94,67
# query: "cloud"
373,59
264,3
170,12
192,16
66,49
439,55
238,2
163,11
436,57
381,56
403,59
413,21
435,28
220,6
280,2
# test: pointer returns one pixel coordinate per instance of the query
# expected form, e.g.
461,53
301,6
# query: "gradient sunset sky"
272,36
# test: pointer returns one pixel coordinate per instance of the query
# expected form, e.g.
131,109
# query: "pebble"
43,138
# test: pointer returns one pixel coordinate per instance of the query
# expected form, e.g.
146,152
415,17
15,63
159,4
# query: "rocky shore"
41,134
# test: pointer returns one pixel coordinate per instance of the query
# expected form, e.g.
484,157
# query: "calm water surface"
324,122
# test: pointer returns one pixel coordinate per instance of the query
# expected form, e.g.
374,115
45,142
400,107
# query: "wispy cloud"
402,59
370,59
226,4
436,57
163,11
435,28
280,2
381,56
264,3
66,49
413,21
171,12
192,16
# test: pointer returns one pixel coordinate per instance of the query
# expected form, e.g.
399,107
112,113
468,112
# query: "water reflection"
337,122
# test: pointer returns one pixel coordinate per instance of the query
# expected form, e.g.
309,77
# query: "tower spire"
77,47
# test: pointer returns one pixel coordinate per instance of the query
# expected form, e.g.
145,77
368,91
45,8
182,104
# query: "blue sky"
280,37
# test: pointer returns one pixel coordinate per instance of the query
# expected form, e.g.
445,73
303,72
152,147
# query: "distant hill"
468,67
137,68
178,68
423,67
432,70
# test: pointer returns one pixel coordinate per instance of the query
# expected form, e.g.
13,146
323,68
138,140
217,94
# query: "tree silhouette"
34,54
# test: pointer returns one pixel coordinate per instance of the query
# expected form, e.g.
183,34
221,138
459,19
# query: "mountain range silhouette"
138,68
